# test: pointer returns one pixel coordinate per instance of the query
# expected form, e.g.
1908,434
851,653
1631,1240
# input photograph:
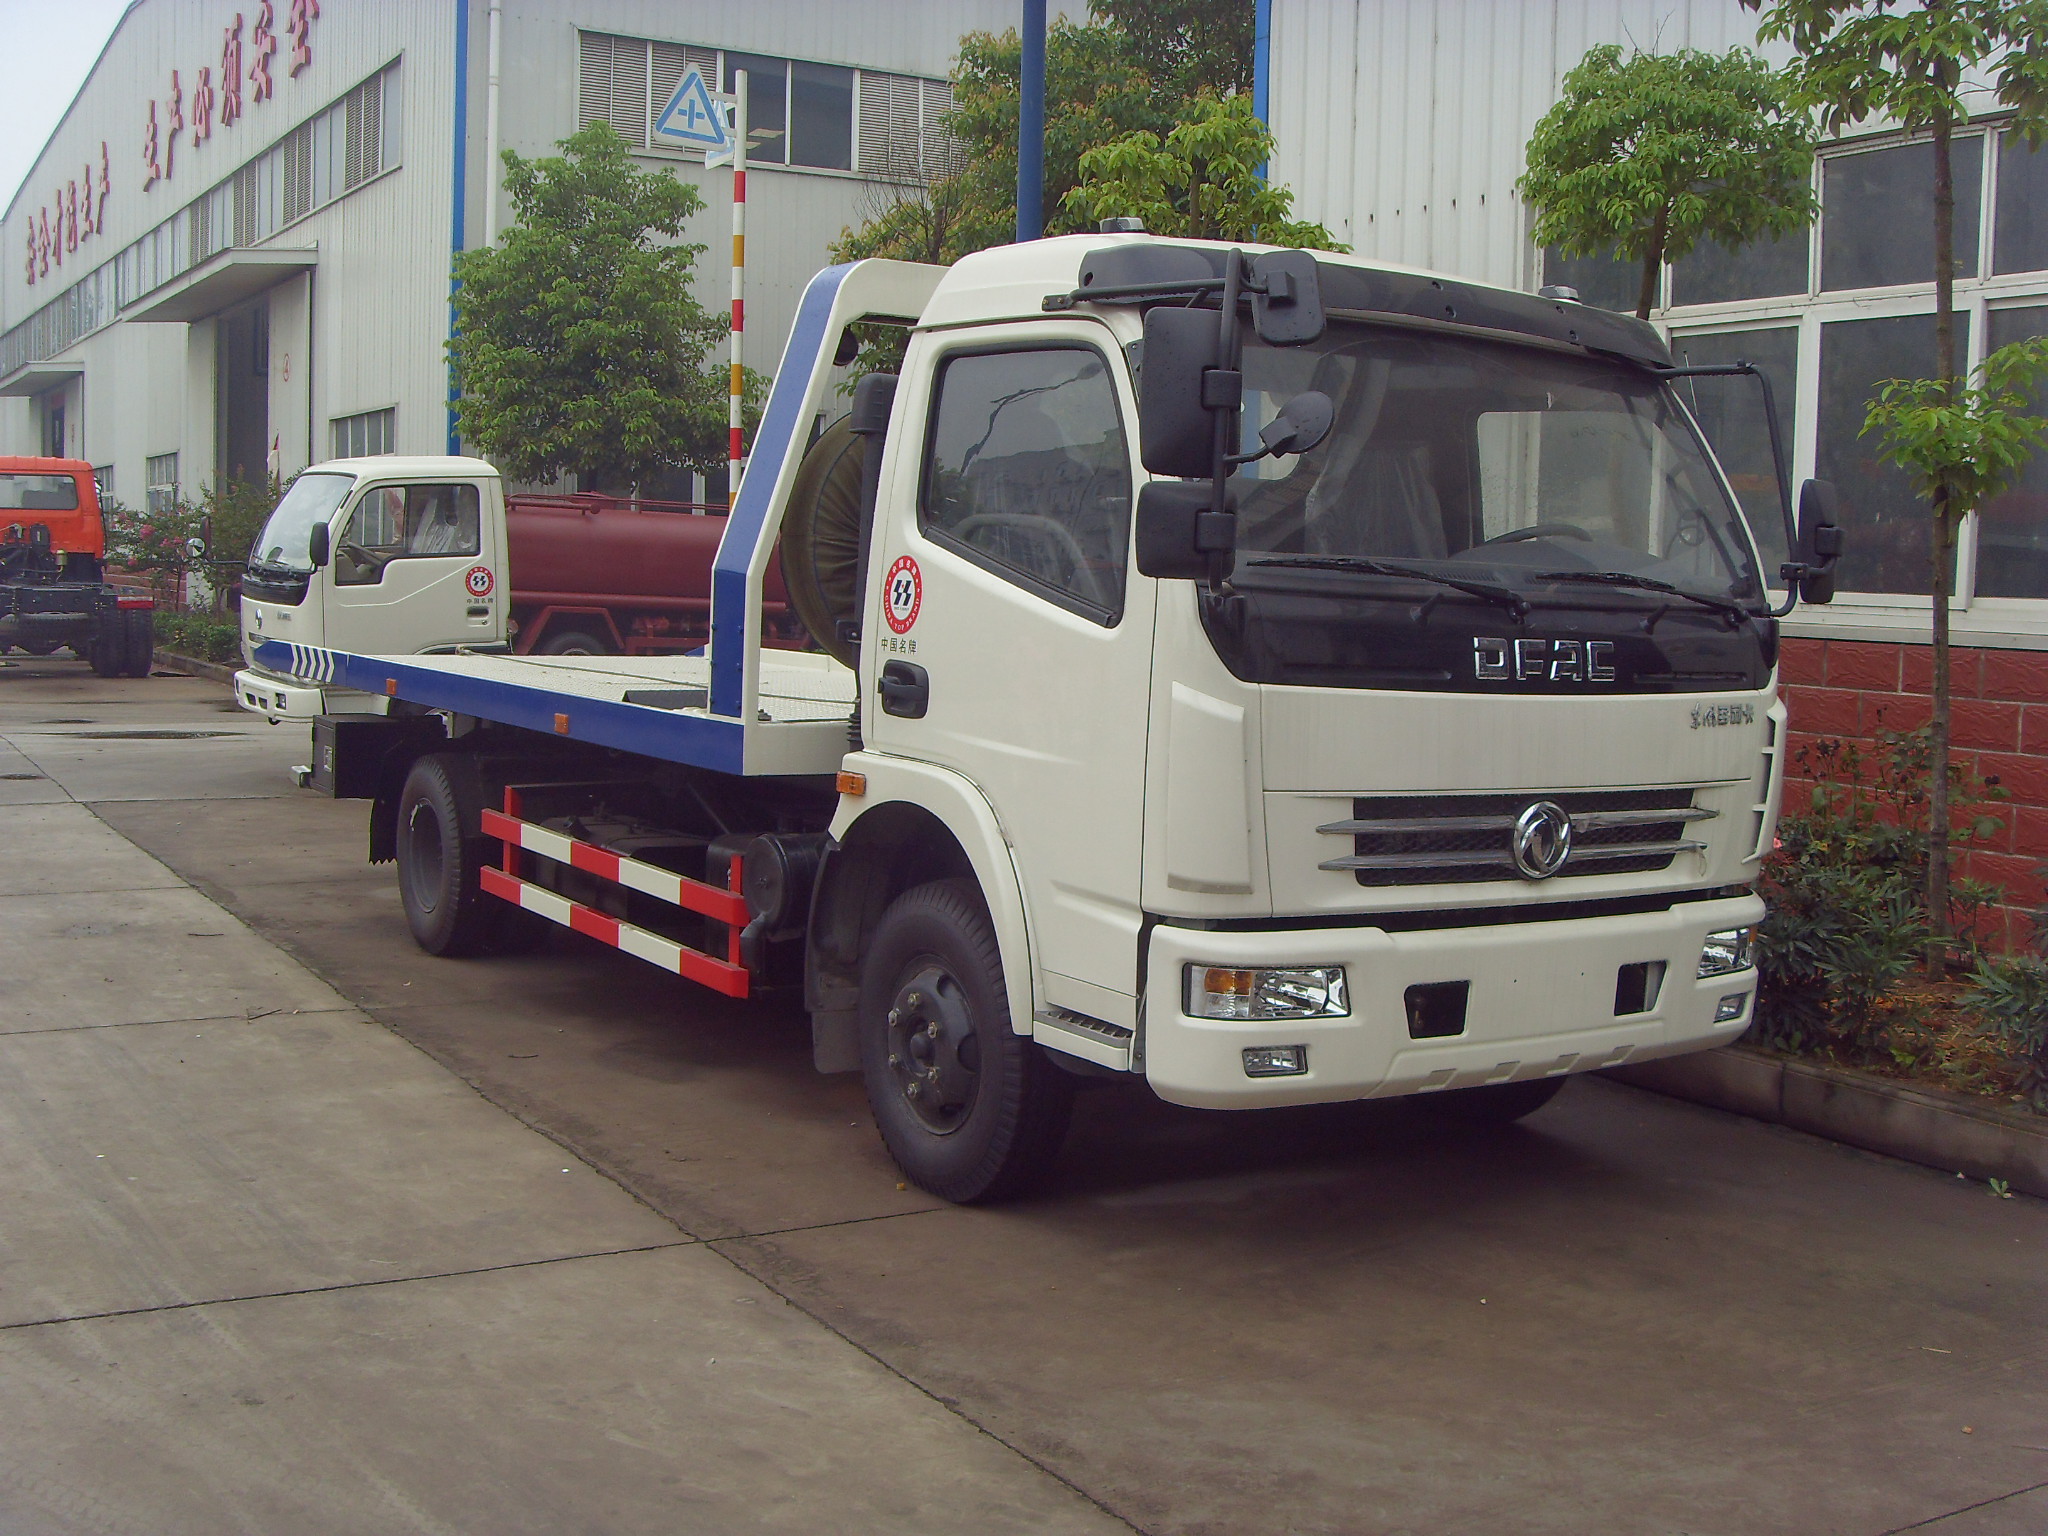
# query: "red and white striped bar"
728,975
735,400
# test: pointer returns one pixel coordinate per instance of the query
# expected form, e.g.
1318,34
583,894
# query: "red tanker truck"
597,575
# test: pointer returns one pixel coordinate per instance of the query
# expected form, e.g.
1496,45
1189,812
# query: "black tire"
108,651
821,541
971,1110
441,847
1495,1103
138,637
572,642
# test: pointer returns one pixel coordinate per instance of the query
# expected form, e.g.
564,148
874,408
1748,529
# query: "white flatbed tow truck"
1278,676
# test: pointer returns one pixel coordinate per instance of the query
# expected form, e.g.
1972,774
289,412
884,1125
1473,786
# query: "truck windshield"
1552,475
312,499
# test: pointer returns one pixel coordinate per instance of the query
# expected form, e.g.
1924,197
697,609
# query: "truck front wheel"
440,848
971,1110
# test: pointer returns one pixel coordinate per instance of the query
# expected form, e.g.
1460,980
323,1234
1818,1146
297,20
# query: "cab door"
1011,637
409,571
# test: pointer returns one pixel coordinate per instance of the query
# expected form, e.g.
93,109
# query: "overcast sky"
50,46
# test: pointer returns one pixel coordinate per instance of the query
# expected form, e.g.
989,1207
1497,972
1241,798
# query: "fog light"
1275,1060
1298,992
1727,952
1730,1007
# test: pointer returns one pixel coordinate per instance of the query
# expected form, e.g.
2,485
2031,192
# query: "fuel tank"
597,549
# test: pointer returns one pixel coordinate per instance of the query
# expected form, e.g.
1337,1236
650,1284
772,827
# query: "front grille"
1444,839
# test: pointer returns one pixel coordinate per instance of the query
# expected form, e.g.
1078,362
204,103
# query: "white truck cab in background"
410,560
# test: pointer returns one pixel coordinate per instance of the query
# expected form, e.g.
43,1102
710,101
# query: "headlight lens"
1728,951
1297,992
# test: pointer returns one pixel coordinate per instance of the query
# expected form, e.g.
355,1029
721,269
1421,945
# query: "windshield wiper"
1513,601
1720,605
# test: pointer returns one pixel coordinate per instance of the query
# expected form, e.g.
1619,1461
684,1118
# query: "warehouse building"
233,254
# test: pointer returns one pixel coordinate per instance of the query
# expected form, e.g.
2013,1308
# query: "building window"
1763,269
1864,240
371,432
103,482
824,116
161,471
2020,240
2012,532
1885,517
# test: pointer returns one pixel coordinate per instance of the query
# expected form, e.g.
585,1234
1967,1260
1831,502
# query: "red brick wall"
1856,688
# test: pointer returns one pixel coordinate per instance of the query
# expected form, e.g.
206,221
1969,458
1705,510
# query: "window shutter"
944,155
889,126
594,89
629,90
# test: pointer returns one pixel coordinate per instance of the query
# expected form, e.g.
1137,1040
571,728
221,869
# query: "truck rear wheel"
441,847
108,651
138,636
572,642
971,1110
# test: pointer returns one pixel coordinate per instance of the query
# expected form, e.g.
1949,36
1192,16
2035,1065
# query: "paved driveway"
1625,1315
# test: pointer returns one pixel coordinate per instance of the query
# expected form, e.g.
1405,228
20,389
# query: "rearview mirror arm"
1230,354
1793,568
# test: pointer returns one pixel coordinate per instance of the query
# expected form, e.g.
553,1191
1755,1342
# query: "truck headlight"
1295,992
1728,951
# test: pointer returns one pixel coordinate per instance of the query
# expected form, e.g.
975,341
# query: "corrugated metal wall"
1401,124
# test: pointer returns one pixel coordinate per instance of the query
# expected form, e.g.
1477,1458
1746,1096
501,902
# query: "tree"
1650,154
1203,181
579,347
1187,46
1911,62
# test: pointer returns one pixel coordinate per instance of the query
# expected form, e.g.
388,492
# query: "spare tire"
821,538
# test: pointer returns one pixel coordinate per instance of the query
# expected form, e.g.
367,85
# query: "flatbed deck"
654,705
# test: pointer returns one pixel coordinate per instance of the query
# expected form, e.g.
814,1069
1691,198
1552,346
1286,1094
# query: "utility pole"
1031,127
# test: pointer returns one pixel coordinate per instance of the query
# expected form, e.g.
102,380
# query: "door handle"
906,690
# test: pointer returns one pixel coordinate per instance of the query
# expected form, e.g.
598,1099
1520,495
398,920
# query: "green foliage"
1203,181
1651,153
156,544
203,636
160,544
1910,62
2009,993
1187,46
1847,916
579,347
1963,443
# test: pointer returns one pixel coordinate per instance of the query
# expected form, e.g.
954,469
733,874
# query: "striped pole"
735,431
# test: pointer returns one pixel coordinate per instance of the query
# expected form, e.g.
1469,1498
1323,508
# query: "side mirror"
1820,540
201,548
1176,421
1287,298
1179,536
1302,423
317,545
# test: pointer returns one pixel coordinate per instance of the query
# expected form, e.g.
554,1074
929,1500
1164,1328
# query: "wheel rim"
424,860
934,1052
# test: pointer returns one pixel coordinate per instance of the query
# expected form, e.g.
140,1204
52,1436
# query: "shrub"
2009,993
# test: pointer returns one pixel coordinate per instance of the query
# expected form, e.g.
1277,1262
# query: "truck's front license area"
1241,1019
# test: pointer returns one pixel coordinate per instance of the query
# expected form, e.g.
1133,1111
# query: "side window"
1027,473
396,522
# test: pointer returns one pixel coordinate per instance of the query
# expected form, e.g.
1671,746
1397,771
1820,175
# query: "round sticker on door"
480,581
903,595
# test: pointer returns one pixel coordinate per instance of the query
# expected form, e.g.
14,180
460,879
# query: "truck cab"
396,555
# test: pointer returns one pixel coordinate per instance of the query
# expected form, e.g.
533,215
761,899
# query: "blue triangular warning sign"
692,117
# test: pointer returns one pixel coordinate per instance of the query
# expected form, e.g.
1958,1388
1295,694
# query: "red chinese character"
231,72
71,216
264,41
304,14
57,235
202,107
43,244
174,118
106,186
31,253
152,171
88,222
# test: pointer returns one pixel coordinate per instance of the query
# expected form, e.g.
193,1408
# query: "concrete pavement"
266,1267
1628,1315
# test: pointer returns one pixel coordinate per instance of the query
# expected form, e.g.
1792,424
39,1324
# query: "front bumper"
1541,1004
277,698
